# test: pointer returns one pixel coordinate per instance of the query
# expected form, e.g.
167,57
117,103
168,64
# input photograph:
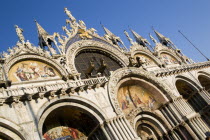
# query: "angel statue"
68,13
19,32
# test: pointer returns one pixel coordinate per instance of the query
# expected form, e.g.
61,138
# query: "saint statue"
68,13
153,39
19,32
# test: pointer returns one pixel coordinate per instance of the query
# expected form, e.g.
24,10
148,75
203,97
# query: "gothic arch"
123,73
12,130
91,44
73,102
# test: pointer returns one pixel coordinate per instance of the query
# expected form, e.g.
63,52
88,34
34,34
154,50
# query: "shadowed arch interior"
69,122
205,82
185,89
90,62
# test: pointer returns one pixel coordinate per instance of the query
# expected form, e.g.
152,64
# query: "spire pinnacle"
139,39
107,31
44,38
110,36
164,40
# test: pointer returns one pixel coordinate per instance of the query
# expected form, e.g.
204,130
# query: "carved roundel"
122,73
95,52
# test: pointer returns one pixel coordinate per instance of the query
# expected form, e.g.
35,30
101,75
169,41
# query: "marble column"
191,132
167,116
105,133
175,112
115,129
203,124
172,116
123,129
129,126
127,129
112,131
177,105
196,129
182,134
119,129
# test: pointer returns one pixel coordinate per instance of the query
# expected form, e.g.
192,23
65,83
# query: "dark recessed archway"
185,89
91,62
205,82
69,122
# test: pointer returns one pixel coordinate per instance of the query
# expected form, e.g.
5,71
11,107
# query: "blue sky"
192,17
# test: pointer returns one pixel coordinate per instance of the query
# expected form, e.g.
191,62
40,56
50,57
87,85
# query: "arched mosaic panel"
146,59
168,59
63,133
132,95
31,70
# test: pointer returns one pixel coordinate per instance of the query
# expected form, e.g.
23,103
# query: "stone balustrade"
15,94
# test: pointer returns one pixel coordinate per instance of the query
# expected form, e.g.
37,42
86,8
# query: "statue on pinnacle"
19,32
68,13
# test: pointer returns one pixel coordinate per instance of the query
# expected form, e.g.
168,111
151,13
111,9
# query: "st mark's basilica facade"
82,86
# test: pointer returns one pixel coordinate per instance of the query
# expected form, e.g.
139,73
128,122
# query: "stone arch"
188,80
123,73
170,53
145,118
190,91
147,54
11,130
91,44
42,59
204,79
70,103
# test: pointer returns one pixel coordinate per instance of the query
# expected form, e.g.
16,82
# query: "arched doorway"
149,126
71,121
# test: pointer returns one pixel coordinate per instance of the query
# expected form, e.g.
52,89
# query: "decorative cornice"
180,69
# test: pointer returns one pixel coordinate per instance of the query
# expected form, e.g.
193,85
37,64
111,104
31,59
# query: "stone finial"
19,32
